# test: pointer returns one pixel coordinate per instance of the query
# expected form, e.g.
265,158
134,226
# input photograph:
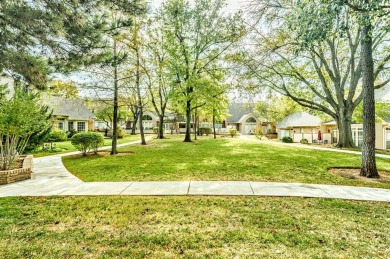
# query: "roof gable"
74,109
238,111
299,119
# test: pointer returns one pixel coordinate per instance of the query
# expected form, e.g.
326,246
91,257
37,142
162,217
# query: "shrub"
205,130
85,141
259,133
71,133
120,132
155,130
287,139
304,141
57,135
233,132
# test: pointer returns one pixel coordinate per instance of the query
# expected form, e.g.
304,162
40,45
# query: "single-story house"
304,125
245,119
151,120
69,114
301,125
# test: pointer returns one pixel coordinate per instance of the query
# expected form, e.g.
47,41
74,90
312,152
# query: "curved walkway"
50,177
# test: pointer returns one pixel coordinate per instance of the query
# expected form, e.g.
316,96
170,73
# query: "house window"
357,136
387,134
147,125
60,125
70,125
251,119
335,132
80,126
147,118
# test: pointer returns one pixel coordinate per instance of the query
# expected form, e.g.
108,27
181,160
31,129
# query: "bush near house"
86,141
233,132
286,139
120,132
259,133
71,133
304,141
57,135
205,130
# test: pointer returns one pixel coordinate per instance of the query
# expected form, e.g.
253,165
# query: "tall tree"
309,58
372,14
155,66
199,35
38,36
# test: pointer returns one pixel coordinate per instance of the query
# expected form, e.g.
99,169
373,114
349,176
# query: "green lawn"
170,227
66,146
221,159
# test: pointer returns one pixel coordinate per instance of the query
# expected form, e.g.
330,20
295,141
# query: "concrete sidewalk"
50,177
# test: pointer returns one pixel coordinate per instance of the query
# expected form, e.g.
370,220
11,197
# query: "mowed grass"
66,146
226,158
189,227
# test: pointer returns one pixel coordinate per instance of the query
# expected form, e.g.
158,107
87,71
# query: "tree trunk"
161,127
214,133
140,107
134,126
187,137
368,150
115,112
345,139
194,123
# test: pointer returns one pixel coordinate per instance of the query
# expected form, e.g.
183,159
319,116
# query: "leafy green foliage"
86,141
21,117
382,112
206,131
287,139
57,135
304,141
232,132
277,108
259,132
40,35
120,132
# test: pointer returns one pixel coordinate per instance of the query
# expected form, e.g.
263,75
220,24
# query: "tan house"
304,125
69,114
245,119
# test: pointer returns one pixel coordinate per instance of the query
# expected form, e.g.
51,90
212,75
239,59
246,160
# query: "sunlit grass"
170,227
66,147
221,159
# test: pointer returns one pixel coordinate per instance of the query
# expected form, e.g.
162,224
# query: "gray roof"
74,109
238,110
299,119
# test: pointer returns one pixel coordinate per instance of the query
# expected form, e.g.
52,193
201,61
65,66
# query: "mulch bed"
353,173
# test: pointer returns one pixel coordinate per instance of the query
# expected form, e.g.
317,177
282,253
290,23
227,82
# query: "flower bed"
20,174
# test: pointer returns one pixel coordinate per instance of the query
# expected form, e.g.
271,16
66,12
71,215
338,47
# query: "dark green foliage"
57,135
21,117
206,131
120,132
71,133
233,132
304,141
62,33
86,141
287,139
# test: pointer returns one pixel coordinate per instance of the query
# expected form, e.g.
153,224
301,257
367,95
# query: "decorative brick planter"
16,175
